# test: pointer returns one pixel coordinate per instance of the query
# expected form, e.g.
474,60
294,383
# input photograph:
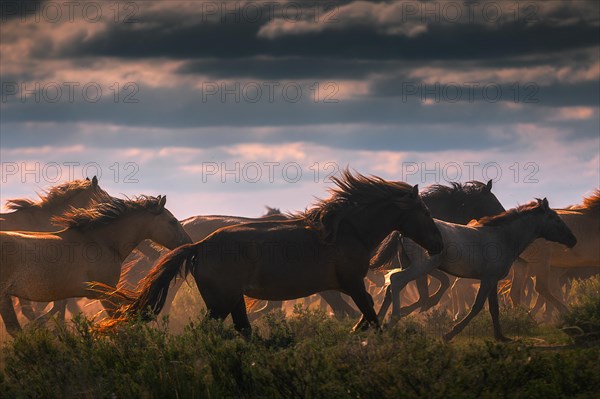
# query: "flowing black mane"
455,189
354,192
511,214
55,195
105,212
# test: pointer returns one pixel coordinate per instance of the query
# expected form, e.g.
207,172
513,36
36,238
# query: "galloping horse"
198,228
458,203
483,250
29,215
584,221
51,266
327,247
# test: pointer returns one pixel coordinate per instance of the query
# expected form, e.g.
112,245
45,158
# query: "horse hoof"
447,337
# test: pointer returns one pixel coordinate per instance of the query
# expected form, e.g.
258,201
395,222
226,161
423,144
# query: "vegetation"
582,322
307,355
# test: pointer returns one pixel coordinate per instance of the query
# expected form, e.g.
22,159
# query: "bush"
306,355
582,322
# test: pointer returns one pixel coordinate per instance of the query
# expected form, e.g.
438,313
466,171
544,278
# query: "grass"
582,321
308,355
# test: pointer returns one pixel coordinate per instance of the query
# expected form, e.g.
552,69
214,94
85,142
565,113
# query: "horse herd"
78,241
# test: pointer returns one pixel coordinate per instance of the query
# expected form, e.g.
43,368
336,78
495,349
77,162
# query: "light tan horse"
31,215
584,222
94,243
35,215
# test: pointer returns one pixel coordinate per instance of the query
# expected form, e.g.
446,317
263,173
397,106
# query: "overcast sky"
229,106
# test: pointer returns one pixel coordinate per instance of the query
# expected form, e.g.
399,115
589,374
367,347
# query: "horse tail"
150,298
155,286
386,253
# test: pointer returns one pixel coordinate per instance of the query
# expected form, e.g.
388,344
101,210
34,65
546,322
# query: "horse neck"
372,227
123,234
442,208
30,219
521,232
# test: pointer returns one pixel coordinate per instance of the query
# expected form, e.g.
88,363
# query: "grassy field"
307,355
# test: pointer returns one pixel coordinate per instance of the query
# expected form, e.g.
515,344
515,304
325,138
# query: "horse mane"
510,215
353,193
455,188
55,195
590,204
105,212
272,211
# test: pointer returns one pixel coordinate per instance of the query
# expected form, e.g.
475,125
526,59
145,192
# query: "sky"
226,107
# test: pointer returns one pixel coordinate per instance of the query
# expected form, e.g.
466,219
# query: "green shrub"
582,321
308,355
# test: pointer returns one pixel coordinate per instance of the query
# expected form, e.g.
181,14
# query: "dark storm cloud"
188,36
240,40
286,68
19,9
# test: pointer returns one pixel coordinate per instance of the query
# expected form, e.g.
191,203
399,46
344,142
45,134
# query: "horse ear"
488,186
94,180
87,178
416,190
161,202
545,204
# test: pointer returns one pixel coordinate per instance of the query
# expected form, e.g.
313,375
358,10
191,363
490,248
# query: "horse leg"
542,286
59,307
364,301
340,307
484,291
73,307
517,287
539,303
385,305
423,288
240,318
399,280
444,285
7,311
495,312
454,298
530,288
27,309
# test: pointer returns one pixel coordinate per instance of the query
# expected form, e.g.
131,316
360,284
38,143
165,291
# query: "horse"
29,215
483,250
457,203
584,221
198,228
92,245
326,247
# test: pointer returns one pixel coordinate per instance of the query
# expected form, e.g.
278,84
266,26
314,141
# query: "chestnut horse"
327,247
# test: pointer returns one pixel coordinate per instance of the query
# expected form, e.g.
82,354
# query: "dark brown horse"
457,203
327,247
